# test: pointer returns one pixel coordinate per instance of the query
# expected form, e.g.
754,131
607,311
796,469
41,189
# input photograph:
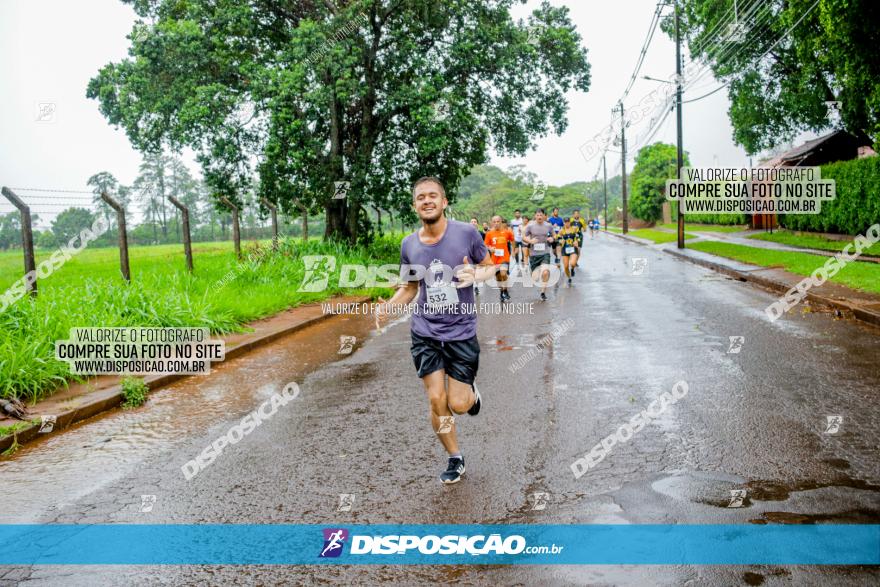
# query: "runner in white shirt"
516,227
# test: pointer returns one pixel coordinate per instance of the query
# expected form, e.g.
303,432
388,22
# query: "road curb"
857,311
107,399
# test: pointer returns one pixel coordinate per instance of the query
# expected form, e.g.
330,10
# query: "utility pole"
678,122
623,167
605,189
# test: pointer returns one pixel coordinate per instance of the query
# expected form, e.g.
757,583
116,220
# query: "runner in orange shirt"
497,240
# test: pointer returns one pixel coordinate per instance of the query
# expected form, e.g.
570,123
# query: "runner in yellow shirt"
570,244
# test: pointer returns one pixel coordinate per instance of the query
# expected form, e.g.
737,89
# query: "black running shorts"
459,358
536,261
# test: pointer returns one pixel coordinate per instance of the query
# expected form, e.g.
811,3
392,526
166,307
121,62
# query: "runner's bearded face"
429,202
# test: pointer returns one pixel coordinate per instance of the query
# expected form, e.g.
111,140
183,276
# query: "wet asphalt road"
752,420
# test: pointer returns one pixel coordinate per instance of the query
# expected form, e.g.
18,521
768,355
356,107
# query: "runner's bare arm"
468,274
405,294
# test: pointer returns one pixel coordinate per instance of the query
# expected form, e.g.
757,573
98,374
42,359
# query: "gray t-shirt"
539,232
444,318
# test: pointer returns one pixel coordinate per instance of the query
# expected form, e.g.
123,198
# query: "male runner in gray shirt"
539,234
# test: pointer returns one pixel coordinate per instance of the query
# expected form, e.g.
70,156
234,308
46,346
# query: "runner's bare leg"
438,399
460,395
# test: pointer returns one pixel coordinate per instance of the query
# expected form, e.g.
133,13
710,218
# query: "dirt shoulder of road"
80,401
863,306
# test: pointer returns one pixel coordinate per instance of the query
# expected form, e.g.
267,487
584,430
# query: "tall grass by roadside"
88,292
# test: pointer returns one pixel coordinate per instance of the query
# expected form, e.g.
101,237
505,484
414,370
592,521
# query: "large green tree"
370,92
71,222
103,182
777,91
654,165
152,189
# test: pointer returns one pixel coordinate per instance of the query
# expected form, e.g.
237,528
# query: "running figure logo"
317,275
736,344
45,112
737,498
538,191
639,265
340,189
346,501
346,344
539,500
47,423
147,503
333,541
446,424
832,424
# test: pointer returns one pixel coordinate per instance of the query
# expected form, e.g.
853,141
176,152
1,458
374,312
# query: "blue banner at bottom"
234,544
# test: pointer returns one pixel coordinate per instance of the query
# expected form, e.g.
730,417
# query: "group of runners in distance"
445,349
531,242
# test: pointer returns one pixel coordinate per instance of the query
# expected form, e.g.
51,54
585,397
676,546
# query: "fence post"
274,210
27,240
236,234
187,243
123,236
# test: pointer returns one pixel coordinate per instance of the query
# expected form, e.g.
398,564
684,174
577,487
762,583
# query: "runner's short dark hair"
428,178
517,210
541,210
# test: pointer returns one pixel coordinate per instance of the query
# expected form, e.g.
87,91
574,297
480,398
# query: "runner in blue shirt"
556,221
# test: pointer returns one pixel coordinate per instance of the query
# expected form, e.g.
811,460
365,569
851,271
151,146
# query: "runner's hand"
467,275
381,313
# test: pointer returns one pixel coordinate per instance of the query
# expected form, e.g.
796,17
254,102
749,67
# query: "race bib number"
540,247
442,296
569,250
499,252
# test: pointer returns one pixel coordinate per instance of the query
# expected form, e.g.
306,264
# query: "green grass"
705,227
657,236
135,392
17,427
88,291
812,241
858,275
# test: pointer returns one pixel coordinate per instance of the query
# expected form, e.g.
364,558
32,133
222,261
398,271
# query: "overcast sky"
51,48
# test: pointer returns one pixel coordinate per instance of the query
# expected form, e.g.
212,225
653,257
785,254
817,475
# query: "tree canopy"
777,91
488,190
654,165
372,92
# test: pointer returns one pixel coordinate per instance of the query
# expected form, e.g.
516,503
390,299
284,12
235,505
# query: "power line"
652,28
727,54
763,55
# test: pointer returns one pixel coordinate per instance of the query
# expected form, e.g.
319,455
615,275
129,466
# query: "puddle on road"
713,489
39,476
847,517
773,491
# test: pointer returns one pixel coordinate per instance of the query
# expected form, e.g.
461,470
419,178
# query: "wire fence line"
74,218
